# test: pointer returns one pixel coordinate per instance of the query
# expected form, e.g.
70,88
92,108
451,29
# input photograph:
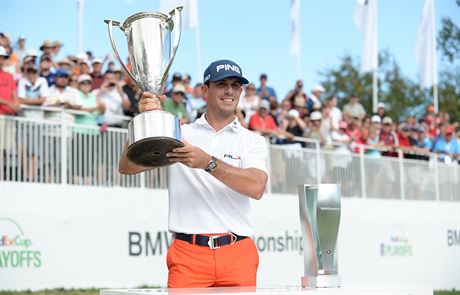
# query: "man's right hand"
150,102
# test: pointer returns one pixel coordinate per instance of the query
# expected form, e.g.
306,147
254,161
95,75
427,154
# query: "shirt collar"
234,125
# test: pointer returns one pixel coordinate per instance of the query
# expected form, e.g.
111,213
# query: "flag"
189,13
365,17
425,51
295,27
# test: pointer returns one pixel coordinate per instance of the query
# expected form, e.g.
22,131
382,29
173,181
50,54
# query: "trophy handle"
177,32
110,24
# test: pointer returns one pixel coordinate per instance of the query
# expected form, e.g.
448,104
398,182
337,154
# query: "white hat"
3,52
376,119
96,60
380,105
264,104
293,113
315,116
387,120
83,78
179,88
319,87
32,52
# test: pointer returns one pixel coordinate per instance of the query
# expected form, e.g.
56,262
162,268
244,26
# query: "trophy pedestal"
151,135
321,281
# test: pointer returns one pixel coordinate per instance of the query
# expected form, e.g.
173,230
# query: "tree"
401,95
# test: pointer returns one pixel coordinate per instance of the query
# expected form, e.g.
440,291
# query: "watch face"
212,165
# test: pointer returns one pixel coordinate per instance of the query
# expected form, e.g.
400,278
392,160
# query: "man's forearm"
249,182
125,166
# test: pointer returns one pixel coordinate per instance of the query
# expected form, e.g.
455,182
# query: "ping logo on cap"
228,67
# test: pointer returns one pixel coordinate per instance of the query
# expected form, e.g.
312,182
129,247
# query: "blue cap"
221,69
61,73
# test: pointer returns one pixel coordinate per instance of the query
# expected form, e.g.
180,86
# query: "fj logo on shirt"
232,157
228,67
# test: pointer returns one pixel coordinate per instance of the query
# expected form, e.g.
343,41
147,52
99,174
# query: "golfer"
221,167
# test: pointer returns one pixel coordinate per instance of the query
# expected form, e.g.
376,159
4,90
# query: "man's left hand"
190,156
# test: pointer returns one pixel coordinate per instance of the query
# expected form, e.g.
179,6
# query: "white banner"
79,237
365,17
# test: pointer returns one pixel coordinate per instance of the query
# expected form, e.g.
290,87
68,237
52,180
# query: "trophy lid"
154,14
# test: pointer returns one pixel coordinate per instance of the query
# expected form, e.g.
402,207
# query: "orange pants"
194,266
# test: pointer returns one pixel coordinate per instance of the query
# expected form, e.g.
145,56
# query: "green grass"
96,292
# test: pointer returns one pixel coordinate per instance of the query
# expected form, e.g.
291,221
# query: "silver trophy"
151,134
319,207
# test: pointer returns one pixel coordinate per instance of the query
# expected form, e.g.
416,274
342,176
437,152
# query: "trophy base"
151,152
321,281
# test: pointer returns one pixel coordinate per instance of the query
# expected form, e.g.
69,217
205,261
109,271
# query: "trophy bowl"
151,134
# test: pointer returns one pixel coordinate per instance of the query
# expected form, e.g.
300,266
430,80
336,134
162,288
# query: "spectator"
373,140
65,64
96,74
196,105
264,91
314,131
423,145
63,96
47,48
186,82
342,154
249,101
84,67
380,110
335,113
45,69
376,123
115,100
293,126
73,81
297,96
448,147
9,102
274,111
31,91
388,138
134,93
286,106
314,100
176,79
326,123
21,51
175,104
28,61
354,108
89,102
403,140
430,120
262,122
57,46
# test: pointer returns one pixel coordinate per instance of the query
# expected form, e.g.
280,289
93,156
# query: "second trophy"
151,134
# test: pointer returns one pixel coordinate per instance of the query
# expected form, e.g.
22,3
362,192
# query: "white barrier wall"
67,236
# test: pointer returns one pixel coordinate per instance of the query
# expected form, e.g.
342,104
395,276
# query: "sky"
255,34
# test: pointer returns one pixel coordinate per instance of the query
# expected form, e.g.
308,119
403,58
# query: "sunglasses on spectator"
179,93
87,82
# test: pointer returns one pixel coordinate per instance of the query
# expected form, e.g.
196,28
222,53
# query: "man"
9,105
45,69
221,167
63,96
116,101
354,109
175,104
265,92
388,137
447,147
31,91
261,121
21,50
314,100
96,74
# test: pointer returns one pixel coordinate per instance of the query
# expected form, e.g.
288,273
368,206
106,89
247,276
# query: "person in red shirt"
388,137
9,102
403,140
261,121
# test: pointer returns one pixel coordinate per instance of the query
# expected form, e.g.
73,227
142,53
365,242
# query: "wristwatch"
212,164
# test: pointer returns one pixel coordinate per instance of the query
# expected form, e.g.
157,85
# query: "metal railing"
70,154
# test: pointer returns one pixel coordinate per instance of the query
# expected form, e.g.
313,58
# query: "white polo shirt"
199,203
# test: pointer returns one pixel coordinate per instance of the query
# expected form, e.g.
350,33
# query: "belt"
213,242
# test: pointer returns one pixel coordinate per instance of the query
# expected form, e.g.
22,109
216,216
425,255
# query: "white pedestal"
344,290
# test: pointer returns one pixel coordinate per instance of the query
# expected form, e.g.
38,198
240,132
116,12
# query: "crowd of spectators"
97,86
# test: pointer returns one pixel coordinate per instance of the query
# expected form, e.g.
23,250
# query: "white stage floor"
345,290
